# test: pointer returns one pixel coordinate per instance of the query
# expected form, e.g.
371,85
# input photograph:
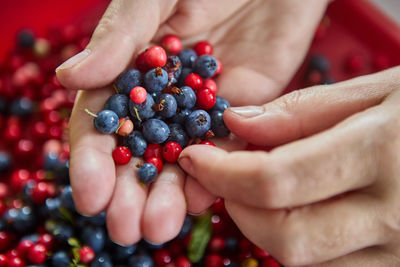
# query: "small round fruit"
147,173
106,122
206,142
194,81
37,254
155,56
205,99
171,151
86,254
125,127
203,48
206,66
138,95
153,150
172,44
156,162
121,155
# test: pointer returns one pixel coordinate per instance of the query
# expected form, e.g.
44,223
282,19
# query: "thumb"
307,111
125,28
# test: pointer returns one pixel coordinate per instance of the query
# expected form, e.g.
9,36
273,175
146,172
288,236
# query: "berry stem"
137,114
90,113
115,88
120,125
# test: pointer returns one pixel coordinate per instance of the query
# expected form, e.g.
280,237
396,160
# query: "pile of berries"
166,104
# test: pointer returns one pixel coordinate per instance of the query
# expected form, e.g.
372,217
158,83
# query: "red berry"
161,257
3,260
46,240
19,179
86,254
4,190
38,176
314,78
24,148
121,155
194,81
39,130
270,262
52,118
12,254
12,133
214,260
37,254
15,262
354,63
259,253
156,162
205,99
216,244
138,95
206,142
41,192
3,207
182,261
219,68
23,247
171,44
210,84
245,245
203,48
153,150
55,132
171,151
140,62
155,56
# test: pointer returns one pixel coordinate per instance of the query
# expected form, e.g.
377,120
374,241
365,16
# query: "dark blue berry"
66,199
220,104
319,63
174,68
185,72
217,124
231,244
136,143
185,97
106,122
128,80
62,232
25,220
98,220
25,39
50,161
94,237
206,66
147,173
119,104
144,111
61,172
141,261
5,161
3,105
186,227
21,107
197,123
180,117
60,259
178,134
52,208
102,260
155,80
155,131
188,57
122,253
166,106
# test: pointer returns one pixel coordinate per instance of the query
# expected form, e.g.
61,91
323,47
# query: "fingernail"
186,164
74,60
248,111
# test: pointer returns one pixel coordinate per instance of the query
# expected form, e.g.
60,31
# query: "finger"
92,169
126,207
124,29
308,111
302,172
198,199
315,233
165,208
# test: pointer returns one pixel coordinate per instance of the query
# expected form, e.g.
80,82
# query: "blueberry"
122,253
141,261
106,122
147,173
152,246
174,68
155,131
94,237
144,111
119,104
178,134
155,80
185,72
25,220
5,161
155,95
217,124
136,143
127,80
188,57
181,116
98,220
51,208
185,97
61,172
62,232
50,161
197,123
31,237
319,63
206,66
186,227
27,191
102,260
60,259
3,105
21,107
166,106
220,104
25,39
66,199
231,244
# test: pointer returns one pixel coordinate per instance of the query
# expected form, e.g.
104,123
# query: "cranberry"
46,240
214,260
216,244
24,148
182,261
194,81
205,99
219,68
4,190
86,254
270,262
354,63
156,162
5,240
3,260
12,133
138,95
210,84
52,118
171,151
16,262
245,245
39,130
18,179
206,142
203,48
121,155
41,192
3,207
47,105
314,77
38,176
12,254
37,254
161,257
55,132
153,150
23,247
259,253
172,44
141,63
154,57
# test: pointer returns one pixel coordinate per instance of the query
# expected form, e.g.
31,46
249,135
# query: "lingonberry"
55,132
23,247
214,260
207,142
41,192
141,63
156,162
24,148
354,63
210,84
172,44
171,151
203,48
270,262
205,99
216,244
194,81
259,253
37,254
161,257
138,95
16,262
46,240
18,179
182,261
219,68
121,155
86,254
154,57
153,150
39,130
3,260
12,133
13,253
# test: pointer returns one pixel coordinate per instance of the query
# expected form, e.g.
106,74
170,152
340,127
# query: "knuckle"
289,101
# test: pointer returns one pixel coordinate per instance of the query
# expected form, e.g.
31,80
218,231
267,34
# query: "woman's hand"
330,193
260,43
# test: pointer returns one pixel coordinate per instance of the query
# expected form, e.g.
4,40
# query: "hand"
330,194
253,39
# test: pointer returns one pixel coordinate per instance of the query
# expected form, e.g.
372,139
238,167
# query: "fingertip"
198,198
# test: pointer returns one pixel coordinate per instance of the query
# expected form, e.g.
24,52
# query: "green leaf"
66,214
201,235
76,257
74,242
